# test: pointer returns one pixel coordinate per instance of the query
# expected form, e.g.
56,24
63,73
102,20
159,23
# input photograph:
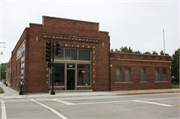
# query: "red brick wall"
136,62
83,35
15,61
87,36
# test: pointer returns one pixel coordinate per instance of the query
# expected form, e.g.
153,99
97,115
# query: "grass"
1,90
175,86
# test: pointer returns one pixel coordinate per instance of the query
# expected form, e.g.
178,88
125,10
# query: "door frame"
75,75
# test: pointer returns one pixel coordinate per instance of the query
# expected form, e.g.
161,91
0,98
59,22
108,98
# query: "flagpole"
163,42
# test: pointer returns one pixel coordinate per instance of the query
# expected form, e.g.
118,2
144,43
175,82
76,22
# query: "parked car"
174,80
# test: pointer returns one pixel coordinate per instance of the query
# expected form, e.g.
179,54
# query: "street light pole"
52,70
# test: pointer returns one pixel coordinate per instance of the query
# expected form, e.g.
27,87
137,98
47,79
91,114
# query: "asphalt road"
146,106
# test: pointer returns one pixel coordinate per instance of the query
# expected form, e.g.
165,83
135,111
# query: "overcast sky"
136,24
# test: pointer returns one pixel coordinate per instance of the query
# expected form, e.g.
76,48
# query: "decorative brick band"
140,60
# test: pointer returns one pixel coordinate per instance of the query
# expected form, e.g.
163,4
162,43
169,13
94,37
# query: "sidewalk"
10,93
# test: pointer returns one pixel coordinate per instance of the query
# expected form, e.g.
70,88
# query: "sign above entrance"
70,65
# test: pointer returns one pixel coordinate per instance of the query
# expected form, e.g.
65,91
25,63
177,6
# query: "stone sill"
123,82
143,82
161,81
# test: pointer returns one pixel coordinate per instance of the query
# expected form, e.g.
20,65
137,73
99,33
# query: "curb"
52,96
137,93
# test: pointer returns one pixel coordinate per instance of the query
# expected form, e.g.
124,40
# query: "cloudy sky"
136,24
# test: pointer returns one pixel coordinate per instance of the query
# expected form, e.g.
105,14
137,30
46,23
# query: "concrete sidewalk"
10,93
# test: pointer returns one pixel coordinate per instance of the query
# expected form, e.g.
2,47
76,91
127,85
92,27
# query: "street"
146,106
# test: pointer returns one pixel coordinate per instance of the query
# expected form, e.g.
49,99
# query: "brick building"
83,48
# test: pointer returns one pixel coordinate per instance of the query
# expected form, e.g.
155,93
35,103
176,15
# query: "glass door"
70,79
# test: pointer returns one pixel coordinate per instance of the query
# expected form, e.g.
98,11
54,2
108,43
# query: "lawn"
175,86
1,90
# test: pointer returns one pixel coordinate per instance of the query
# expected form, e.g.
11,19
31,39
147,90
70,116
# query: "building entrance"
70,79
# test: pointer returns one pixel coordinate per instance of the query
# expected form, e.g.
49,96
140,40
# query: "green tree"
111,50
175,64
162,53
148,53
3,68
154,53
137,52
116,50
126,50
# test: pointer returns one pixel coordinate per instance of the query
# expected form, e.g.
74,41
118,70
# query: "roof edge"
138,54
70,19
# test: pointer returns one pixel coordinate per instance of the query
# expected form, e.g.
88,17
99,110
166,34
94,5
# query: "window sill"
57,86
143,82
84,86
161,81
123,82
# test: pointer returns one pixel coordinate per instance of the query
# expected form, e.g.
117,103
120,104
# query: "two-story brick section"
83,48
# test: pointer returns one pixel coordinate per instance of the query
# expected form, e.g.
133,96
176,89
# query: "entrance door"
70,79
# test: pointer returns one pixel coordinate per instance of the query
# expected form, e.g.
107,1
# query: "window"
84,54
19,69
157,75
59,56
164,75
127,74
59,75
83,79
73,54
16,70
143,74
70,54
118,74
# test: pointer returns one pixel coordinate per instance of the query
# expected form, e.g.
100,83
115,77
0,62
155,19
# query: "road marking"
3,108
54,111
64,102
101,102
123,101
153,103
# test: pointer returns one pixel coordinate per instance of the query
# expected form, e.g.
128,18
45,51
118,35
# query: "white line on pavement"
3,108
153,103
54,111
123,101
64,102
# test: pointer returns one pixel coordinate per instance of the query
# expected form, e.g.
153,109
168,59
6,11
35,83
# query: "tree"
3,68
162,53
175,64
111,50
154,53
126,50
116,50
148,53
137,52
